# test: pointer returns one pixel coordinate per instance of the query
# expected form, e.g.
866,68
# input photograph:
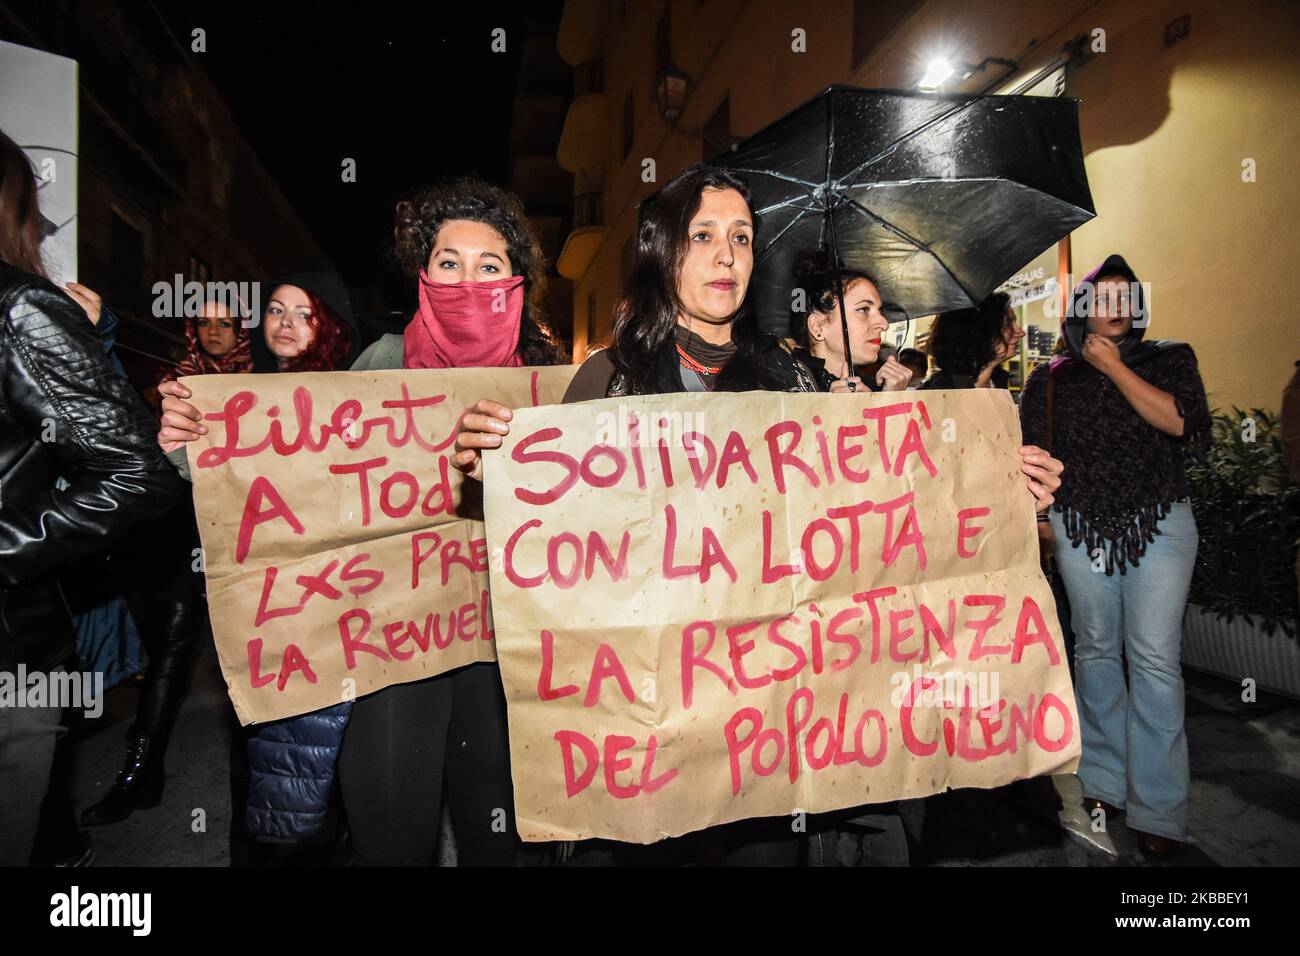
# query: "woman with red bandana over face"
482,282
481,286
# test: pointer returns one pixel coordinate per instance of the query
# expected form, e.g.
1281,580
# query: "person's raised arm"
1156,406
59,388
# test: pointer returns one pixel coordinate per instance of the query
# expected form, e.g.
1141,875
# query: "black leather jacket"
64,412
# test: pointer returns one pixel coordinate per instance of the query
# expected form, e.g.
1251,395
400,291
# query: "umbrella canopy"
939,197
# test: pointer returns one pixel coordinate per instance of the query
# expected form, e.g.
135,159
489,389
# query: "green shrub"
1248,514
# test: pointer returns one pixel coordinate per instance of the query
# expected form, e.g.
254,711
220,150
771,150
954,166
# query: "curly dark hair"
420,217
814,274
964,341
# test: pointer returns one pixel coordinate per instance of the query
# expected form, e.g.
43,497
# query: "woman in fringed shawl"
1124,415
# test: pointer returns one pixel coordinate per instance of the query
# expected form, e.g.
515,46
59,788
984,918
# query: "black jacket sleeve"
60,393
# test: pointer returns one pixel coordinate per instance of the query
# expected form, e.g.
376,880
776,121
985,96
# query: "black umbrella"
939,197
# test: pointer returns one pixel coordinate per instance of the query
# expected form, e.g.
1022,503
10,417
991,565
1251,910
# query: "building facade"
535,175
168,184
1185,118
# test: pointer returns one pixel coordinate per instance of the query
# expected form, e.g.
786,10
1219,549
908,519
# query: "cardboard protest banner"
340,554
716,607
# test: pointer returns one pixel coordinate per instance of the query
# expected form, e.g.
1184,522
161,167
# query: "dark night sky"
412,92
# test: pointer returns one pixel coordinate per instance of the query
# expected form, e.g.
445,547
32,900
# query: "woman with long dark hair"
970,345
79,469
683,325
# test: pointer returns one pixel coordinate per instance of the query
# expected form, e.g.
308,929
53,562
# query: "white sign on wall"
38,111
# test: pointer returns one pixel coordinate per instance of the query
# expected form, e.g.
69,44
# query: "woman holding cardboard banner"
1125,415
306,325
482,286
683,326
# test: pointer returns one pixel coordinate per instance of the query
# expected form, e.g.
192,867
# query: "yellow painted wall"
1164,132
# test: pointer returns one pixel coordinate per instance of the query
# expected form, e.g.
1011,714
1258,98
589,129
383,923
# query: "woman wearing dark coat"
683,325
78,467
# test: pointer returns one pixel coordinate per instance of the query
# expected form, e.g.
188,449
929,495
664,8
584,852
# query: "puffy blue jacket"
292,764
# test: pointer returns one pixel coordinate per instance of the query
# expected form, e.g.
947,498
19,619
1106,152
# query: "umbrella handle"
839,284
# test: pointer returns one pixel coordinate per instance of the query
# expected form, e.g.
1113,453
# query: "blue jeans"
1134,744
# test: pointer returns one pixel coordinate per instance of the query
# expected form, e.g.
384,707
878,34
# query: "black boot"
170,630
139,784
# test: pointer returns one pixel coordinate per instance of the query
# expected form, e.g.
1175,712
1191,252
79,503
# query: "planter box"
1236,650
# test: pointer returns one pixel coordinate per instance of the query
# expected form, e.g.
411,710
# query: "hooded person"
279,808
199,357
336,342
1124,414
1084,301
306,325
1099,512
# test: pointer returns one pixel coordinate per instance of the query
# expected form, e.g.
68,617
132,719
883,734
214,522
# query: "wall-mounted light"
935,75
940,71
670,93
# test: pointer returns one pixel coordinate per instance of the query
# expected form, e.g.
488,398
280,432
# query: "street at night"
616,437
